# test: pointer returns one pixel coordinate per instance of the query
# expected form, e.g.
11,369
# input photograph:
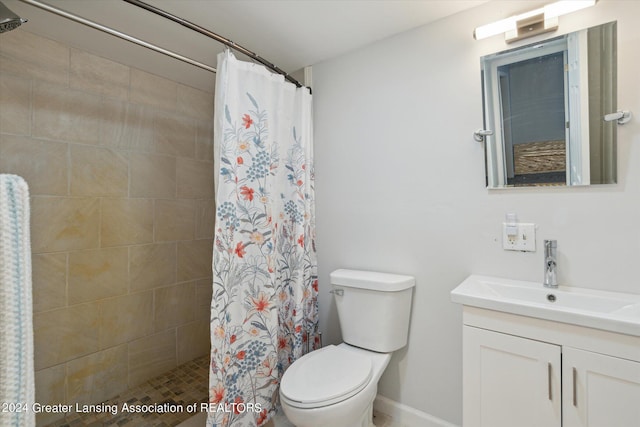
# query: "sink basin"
610,311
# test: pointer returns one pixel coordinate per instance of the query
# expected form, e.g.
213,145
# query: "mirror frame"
581,121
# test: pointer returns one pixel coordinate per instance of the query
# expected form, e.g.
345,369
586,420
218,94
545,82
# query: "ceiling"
290,33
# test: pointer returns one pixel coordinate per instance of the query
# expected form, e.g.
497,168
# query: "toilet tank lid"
384,282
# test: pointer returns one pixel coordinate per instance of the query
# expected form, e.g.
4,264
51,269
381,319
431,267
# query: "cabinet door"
509,381
599,390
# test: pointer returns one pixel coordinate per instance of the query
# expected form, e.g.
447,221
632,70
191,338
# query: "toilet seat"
324,377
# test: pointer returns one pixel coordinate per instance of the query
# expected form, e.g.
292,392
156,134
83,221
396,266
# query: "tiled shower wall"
120,167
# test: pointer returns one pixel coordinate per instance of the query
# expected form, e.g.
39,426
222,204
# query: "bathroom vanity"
534,356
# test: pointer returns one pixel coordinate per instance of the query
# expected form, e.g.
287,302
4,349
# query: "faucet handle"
550,264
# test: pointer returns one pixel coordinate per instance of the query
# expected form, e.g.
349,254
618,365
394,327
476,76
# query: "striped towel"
17,390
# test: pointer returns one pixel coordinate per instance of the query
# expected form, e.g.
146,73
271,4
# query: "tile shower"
120,168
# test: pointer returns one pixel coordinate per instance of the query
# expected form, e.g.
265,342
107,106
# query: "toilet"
335,386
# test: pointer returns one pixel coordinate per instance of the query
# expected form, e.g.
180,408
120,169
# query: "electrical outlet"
519,237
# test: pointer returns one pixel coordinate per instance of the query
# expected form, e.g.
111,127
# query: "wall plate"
523,240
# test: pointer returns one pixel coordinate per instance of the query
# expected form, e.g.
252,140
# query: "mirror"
545,104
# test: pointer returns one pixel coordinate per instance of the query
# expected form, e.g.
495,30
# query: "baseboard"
406,416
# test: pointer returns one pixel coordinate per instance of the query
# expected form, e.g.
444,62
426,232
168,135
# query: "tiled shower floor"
184,385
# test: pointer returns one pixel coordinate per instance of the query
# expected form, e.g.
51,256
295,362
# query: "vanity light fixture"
531,23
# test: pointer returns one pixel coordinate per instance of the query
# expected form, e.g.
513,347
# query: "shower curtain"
264,307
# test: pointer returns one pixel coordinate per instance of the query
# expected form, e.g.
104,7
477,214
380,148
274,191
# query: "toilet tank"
373,308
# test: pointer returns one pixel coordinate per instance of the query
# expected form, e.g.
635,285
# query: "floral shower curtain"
264,307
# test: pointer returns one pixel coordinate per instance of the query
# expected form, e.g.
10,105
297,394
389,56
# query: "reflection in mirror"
545,104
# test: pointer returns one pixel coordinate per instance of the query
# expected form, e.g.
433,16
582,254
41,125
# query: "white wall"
400,187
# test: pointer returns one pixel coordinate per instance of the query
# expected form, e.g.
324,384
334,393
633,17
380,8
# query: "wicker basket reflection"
539,157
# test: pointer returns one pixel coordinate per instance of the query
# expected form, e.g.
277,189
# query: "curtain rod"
214,36
151,46
108,30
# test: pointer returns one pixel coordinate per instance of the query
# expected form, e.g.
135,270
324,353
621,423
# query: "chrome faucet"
550,263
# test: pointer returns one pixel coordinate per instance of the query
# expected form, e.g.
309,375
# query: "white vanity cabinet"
510,381
599,390
523,371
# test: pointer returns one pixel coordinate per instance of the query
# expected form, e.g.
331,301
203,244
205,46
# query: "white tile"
280,420
200,419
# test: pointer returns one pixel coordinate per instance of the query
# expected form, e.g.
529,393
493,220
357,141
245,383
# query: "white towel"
17,390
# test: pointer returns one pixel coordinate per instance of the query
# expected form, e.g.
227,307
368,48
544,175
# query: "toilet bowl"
335,386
